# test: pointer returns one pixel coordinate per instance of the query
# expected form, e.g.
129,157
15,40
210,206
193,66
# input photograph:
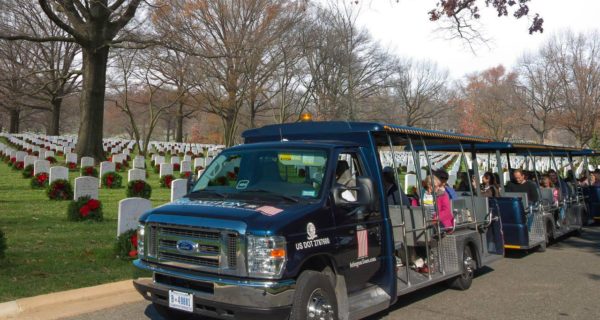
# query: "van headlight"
266,256
140,240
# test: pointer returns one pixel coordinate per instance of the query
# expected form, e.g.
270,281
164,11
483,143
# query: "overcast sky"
405,29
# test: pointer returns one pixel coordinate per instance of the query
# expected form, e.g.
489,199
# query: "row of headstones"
88,186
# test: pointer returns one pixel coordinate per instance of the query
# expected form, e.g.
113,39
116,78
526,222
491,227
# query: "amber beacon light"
306,117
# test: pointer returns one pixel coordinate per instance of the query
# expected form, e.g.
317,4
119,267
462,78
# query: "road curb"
71,302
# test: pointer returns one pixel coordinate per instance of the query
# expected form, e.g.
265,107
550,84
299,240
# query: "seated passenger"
559,183
488,186
444,213
596,178
395,195
521,184
463,184
546,182
443,176
344,177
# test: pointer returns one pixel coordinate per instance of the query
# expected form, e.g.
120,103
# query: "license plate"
181,301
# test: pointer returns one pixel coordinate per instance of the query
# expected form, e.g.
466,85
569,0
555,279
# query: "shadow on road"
421,294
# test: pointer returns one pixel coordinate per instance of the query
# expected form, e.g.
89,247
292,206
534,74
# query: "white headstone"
136,174
139,163
175,160
48,154
166,169
410,180
87,162
41,166
71,157
29,160
86,186
187,157
106,167
118,158
21,156
178,189
198,162
130,210
58,173
186,166
159,160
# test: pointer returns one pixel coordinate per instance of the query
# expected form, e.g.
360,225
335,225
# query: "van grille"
205,249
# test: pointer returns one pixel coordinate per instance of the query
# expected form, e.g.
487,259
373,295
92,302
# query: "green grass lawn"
48,253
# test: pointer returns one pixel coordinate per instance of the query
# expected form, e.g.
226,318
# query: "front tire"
314,298
463,282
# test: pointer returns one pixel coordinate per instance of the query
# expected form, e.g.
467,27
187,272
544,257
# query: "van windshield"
259,174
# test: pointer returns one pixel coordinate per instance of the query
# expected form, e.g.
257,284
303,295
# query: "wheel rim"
468,265
319,307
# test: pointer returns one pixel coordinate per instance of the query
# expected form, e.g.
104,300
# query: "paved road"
561,283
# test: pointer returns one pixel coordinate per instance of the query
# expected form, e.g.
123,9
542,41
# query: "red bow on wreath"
91,205
138,186
109,180
134,243
42,177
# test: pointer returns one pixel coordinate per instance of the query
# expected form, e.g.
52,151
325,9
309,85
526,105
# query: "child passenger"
444,213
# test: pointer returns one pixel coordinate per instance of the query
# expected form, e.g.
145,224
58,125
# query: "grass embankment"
48,253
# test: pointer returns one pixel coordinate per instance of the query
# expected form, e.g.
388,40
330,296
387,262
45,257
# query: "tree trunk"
179,125
54,128
14,121
92,102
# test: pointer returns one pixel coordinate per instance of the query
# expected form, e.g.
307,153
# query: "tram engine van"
296,224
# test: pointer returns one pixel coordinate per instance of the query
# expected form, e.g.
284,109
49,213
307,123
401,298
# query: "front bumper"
224,298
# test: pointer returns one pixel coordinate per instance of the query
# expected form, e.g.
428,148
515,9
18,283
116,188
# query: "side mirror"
362,195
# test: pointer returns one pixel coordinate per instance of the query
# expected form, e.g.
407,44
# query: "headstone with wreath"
58,173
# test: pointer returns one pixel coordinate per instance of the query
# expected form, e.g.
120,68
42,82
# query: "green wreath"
40,180
85,208
28,171
166,180
126,245
112,180
139,188
60,190
89,171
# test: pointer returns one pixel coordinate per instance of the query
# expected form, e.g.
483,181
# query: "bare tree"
346,66
419,91
577,63
238,36
490,106
539,90
142,96
94,25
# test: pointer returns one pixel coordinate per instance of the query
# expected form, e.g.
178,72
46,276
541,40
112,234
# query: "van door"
359,231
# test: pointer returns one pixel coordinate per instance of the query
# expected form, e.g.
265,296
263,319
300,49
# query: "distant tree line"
150,67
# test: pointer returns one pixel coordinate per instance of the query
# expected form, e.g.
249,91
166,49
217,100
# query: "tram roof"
318,130
525,148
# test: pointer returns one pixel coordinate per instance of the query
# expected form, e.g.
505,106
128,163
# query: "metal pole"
435,206
416,158
404,242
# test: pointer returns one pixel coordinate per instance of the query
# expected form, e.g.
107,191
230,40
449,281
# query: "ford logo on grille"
186,246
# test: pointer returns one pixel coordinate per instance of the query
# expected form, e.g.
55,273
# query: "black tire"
468,264
169,313
314,291
542,246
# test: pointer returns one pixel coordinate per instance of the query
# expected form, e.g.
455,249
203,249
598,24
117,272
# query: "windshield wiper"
219,194
283,196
